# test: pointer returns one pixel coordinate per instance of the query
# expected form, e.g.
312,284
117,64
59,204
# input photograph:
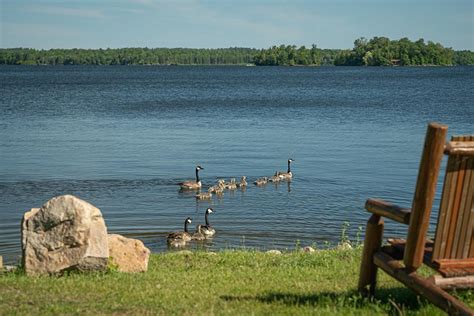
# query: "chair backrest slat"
424,195
466,215
454,232
444,216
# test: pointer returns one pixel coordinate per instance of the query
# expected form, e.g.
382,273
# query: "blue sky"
225,23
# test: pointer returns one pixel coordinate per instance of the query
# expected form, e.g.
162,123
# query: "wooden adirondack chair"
451,253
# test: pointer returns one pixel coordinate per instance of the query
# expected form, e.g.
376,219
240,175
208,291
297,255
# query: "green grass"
229,282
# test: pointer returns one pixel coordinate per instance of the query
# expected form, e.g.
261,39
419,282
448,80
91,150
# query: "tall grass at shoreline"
227,282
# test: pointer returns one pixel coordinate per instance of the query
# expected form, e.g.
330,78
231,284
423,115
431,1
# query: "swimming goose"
207,229
204,195
275,178
261,181
199,236
179,239
218,188
243,182
231,185
286,175
192,185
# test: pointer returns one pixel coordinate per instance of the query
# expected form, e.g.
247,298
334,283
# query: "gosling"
232,185
261,181
204,196
243,182
218,188
276,177
198,236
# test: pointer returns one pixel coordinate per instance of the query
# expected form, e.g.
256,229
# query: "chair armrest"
389,210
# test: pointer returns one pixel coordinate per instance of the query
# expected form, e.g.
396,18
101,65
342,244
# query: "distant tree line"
290,55
127,56
464,57
379,51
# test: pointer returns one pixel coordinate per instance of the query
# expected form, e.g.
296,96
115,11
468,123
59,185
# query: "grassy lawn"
229,282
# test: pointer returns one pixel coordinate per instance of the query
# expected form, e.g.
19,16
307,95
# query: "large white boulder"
128,254
65,234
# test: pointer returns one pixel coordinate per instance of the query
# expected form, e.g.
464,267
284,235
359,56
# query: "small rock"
9,268
344,246
211,253
129,255
308,249
274,252
65,234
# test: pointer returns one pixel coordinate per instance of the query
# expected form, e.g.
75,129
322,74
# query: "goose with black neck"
192,185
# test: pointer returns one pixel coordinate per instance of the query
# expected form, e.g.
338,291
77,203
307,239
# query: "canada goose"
192,185
207,229
178,239
275,178
231,185
286,175
204,196
243,182
199,236
261,181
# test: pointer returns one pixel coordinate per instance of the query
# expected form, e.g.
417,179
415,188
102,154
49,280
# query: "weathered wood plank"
464,212
440,244
372,244
424,194
446,205
466,282
455,208
471,247
458,138
388,210
464,147
453,263
421,286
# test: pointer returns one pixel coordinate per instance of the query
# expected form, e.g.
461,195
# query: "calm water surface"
122,137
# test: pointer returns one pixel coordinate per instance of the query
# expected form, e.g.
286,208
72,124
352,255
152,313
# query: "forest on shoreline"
378,51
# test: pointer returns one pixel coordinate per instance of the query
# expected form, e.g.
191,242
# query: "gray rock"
65,234
8,268
309,249
274,252
344,246
129,255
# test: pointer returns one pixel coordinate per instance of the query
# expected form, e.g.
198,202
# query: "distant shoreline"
236,65
378,51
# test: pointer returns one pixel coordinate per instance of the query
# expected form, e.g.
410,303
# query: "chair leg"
372,244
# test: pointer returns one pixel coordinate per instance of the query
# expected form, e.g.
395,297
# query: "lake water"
122,137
